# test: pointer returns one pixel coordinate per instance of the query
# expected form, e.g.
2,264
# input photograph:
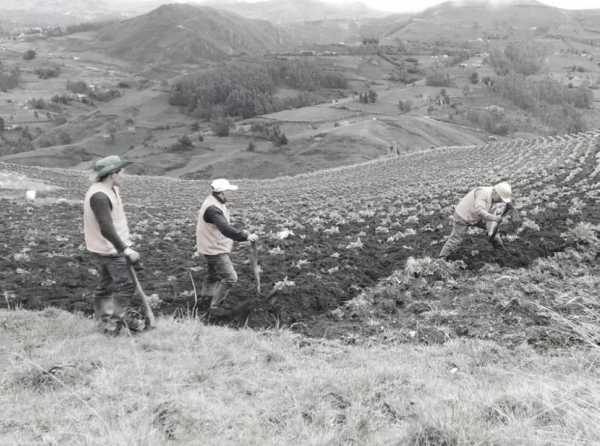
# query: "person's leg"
498,209
123,291
212,279
228,278
457,236
103,305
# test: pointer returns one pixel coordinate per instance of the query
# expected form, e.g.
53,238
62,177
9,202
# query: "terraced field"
330,237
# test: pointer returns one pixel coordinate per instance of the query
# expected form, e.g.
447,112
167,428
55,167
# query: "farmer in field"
214,239
482,207
107,238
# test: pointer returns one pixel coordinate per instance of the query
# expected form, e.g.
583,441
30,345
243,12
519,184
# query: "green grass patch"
188,383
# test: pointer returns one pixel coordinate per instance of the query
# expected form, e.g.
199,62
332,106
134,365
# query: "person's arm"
215,216
101,206
480,207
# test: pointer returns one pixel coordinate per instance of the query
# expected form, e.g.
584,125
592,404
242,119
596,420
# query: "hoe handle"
147,310
255,267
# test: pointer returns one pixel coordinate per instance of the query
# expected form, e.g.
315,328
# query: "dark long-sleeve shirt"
215,216
102,207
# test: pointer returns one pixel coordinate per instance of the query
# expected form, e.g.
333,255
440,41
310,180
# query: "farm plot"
326,237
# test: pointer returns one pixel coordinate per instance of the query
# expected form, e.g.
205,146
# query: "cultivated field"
361,335
330,238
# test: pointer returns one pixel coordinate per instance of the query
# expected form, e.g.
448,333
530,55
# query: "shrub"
47,72
520,57
220,126
405,106
105,95
185,141
372,94
280,139
487,81
490,121
368,96
38,103
9,78
62,99
548,99
272,132
438,77
78,87
29,55
183,144
526,57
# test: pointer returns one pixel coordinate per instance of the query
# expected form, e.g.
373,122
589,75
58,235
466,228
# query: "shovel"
146,309
255,265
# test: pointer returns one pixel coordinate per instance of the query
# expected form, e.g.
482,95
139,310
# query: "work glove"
131,255
252,237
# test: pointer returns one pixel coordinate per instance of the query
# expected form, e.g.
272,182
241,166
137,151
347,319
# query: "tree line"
248,89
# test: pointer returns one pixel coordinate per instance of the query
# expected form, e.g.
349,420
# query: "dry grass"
187,383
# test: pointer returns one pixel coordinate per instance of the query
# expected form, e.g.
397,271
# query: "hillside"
289,11
188,383
351,228
461,21
180,33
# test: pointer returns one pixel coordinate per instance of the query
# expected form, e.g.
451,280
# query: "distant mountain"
182,33
289,11
466,20
64,12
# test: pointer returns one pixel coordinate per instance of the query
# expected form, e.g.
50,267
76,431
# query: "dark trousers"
459,232
114,294
220,278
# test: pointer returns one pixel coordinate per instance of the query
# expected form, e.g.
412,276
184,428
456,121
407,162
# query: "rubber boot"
217,304
208,289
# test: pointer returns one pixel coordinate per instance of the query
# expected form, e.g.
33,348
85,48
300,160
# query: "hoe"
147,310
499,210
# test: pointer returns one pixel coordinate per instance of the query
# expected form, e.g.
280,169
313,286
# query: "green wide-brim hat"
108,165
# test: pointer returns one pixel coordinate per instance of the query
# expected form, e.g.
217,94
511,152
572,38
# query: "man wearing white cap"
107,238
481,207
214,240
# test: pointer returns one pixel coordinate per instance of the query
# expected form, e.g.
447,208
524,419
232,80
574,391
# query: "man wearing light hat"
482,207
107,238
214,240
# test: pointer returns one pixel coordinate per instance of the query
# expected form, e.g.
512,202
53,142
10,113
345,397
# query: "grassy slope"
187,383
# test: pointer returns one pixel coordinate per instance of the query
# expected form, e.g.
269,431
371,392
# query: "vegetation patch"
247,90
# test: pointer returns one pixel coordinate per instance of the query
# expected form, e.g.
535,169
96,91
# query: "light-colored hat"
504,191
108,165
222,185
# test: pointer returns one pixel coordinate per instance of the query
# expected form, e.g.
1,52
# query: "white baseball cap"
504,191
222,185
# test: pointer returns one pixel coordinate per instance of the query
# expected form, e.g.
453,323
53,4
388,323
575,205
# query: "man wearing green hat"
107,238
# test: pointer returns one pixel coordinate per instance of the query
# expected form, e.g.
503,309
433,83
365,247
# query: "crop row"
326,235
